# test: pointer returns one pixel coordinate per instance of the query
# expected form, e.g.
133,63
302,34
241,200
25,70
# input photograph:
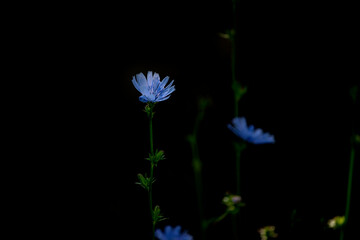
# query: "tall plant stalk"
236,87
152,90
349,187
150,115
233,59
353,94
197,164
147,182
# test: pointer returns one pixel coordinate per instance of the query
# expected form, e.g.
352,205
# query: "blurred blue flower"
151,88
172,234
249,134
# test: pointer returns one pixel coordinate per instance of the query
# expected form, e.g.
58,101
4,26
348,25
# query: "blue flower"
249,134
152,89
172,234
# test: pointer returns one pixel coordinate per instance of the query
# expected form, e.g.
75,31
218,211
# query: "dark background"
92,134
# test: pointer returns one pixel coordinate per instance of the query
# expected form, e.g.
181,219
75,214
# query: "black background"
91,134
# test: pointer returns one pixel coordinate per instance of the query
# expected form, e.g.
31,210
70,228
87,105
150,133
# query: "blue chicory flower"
151,88
172,234
249,134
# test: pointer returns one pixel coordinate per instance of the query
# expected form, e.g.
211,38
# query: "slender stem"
349,187
233,57
153,231
236,102
221,217
353,94
151,130
351,168
198,183
341,233
235,219
150,200
234,13
151,170
234,226
238,154
197,167
239,147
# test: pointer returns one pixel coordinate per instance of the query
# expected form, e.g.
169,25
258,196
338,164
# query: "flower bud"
336,222
233,202
267,232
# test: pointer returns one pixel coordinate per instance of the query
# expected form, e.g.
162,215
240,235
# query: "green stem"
238,154
233,58
234,226
151,130
236,102
353,94
351,169
221,217
236,107
153,231
349,187
197,167
198,183
236,219
239,147
151,170
342,234
150,200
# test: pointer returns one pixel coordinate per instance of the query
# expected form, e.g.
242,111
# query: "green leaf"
239,90
157,216
156,157
144,181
